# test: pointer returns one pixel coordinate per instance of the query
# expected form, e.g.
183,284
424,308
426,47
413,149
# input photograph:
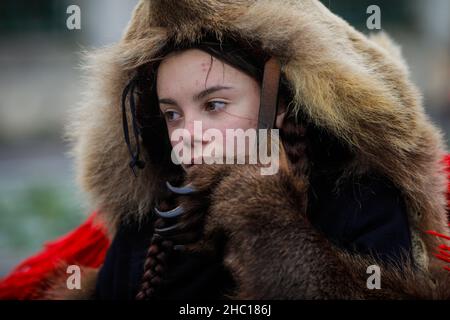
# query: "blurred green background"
40,80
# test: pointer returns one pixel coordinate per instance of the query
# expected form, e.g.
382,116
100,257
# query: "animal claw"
171,213
188,189
166,231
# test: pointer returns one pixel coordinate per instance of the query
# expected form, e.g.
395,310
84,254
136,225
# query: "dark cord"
135,156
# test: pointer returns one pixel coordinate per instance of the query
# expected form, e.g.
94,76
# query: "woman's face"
192,87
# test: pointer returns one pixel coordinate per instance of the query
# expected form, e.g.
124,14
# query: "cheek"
173,143
236,122
170,132
247,110
242,115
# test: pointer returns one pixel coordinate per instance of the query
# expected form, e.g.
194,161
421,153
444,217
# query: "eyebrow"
198,96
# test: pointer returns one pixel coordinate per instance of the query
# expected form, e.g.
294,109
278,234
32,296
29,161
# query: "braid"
296,143
155,263
154,266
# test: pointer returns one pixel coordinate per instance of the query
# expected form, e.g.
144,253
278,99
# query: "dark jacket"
364,217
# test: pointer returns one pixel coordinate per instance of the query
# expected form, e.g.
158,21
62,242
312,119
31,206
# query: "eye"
171,115
215,105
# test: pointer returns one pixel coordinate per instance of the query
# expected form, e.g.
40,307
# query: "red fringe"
441,254
437,234
85,246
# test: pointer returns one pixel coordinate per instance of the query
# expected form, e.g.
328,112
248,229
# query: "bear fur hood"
356,87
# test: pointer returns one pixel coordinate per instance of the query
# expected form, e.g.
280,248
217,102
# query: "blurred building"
40,80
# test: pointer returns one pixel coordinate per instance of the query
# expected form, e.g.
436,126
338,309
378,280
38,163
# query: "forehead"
193,69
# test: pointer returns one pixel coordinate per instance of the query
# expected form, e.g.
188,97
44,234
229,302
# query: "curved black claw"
167,231
171,213
180,190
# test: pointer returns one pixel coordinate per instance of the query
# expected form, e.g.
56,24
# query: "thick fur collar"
354,86
303,263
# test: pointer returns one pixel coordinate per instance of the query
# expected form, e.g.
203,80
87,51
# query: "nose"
191,140
195,129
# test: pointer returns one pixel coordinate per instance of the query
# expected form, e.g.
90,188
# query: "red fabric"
85,246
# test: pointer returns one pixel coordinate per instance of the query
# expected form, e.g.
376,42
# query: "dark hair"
245,56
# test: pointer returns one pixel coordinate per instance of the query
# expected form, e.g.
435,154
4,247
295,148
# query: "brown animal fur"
54,287
303,263
354,86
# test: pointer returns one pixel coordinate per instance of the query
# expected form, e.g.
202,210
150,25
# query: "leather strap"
269,94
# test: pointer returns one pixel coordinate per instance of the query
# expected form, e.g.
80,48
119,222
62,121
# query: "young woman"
218,84
360,182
